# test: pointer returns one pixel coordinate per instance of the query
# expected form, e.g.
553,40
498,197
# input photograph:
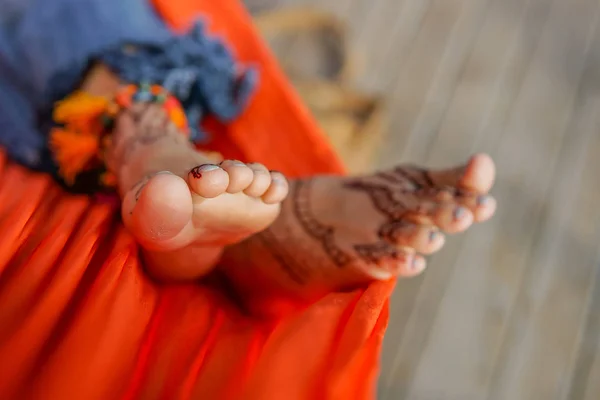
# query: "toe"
261,181
485,208
412,265
157,209
278,190
476,176
482,206
425,239
479,174
240,175
386,261
453,218
208,180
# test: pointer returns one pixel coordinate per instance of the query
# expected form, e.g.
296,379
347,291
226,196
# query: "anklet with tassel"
84,125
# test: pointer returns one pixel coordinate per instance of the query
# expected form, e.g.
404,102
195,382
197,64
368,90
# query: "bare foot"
180,205
335,233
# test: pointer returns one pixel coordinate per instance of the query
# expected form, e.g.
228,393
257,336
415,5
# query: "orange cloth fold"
80,319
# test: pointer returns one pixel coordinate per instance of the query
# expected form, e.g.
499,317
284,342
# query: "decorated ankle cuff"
192,75
84,128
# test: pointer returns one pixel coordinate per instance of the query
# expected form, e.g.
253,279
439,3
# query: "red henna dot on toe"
196,172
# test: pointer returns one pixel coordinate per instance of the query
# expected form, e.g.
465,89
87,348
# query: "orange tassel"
73,151
77,144
80,142
80,108
179,119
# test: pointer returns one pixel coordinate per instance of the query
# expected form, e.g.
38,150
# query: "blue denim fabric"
197,69
46,46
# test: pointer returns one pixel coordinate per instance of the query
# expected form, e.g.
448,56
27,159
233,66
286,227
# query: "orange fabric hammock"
80,320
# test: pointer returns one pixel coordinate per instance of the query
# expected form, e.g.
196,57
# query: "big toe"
479,174
157,210
476,176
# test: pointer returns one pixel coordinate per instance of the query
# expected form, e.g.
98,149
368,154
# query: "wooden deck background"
510,310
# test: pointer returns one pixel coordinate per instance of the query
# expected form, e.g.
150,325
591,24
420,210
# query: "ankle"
101,81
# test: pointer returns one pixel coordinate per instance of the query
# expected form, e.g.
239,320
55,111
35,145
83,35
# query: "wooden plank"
357,14
489,81
377,30
389,49
442,87
442,30
559,277
503,67
590,377
336,7
540,129
586,385
584,235
375,16
586,379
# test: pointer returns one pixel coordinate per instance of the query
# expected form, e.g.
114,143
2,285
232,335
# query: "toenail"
433,235
257,167
164,173
235,163
278,178
207,167
196,172
415,263
483,200
459,212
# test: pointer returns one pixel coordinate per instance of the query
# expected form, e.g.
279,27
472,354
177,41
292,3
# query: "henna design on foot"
324,234
415,175
392,193
382,197
391,231
376,252
148,134
387,198
287,261
196,174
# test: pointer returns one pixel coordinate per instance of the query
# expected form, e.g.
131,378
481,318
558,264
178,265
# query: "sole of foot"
182,208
